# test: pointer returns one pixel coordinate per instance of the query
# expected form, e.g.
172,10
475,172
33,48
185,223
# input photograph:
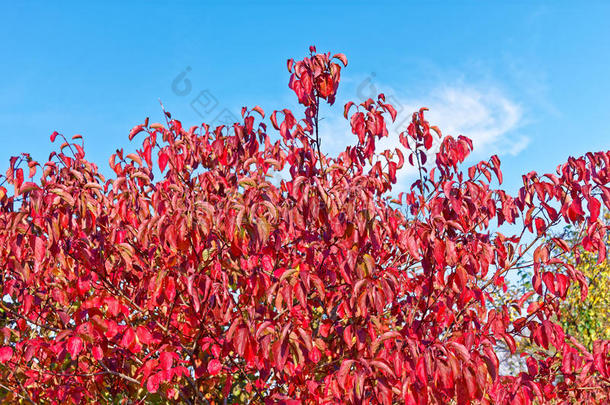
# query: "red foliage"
324,287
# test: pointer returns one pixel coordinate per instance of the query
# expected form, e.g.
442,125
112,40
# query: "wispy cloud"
485,114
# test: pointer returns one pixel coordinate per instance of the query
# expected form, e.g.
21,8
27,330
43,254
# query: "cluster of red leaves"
220,281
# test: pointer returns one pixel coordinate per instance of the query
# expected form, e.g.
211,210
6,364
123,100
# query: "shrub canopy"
193,274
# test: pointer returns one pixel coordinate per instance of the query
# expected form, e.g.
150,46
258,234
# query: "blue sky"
527,80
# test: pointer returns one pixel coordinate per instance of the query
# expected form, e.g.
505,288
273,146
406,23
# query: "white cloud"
484,114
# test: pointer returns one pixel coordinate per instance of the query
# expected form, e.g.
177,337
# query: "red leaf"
348,336
267,263
314,355
540,226
344,371
575,210
391,110
342,58
259,110
128,338
525,297
491,360
144,335
135,130
97,352
135,158
163,158
170,288
510,342
166,360
53,136
600,357
112,329
594,206
420,371
383,366
18,177
347,107
6,353
113,305
460,350
74,346
214,367
462,277
152,385
549,281
274,120
428,141
563,282
324,328
28,187
280,353
32,165
470,381
39,249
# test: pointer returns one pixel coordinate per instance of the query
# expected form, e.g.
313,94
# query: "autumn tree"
190,276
